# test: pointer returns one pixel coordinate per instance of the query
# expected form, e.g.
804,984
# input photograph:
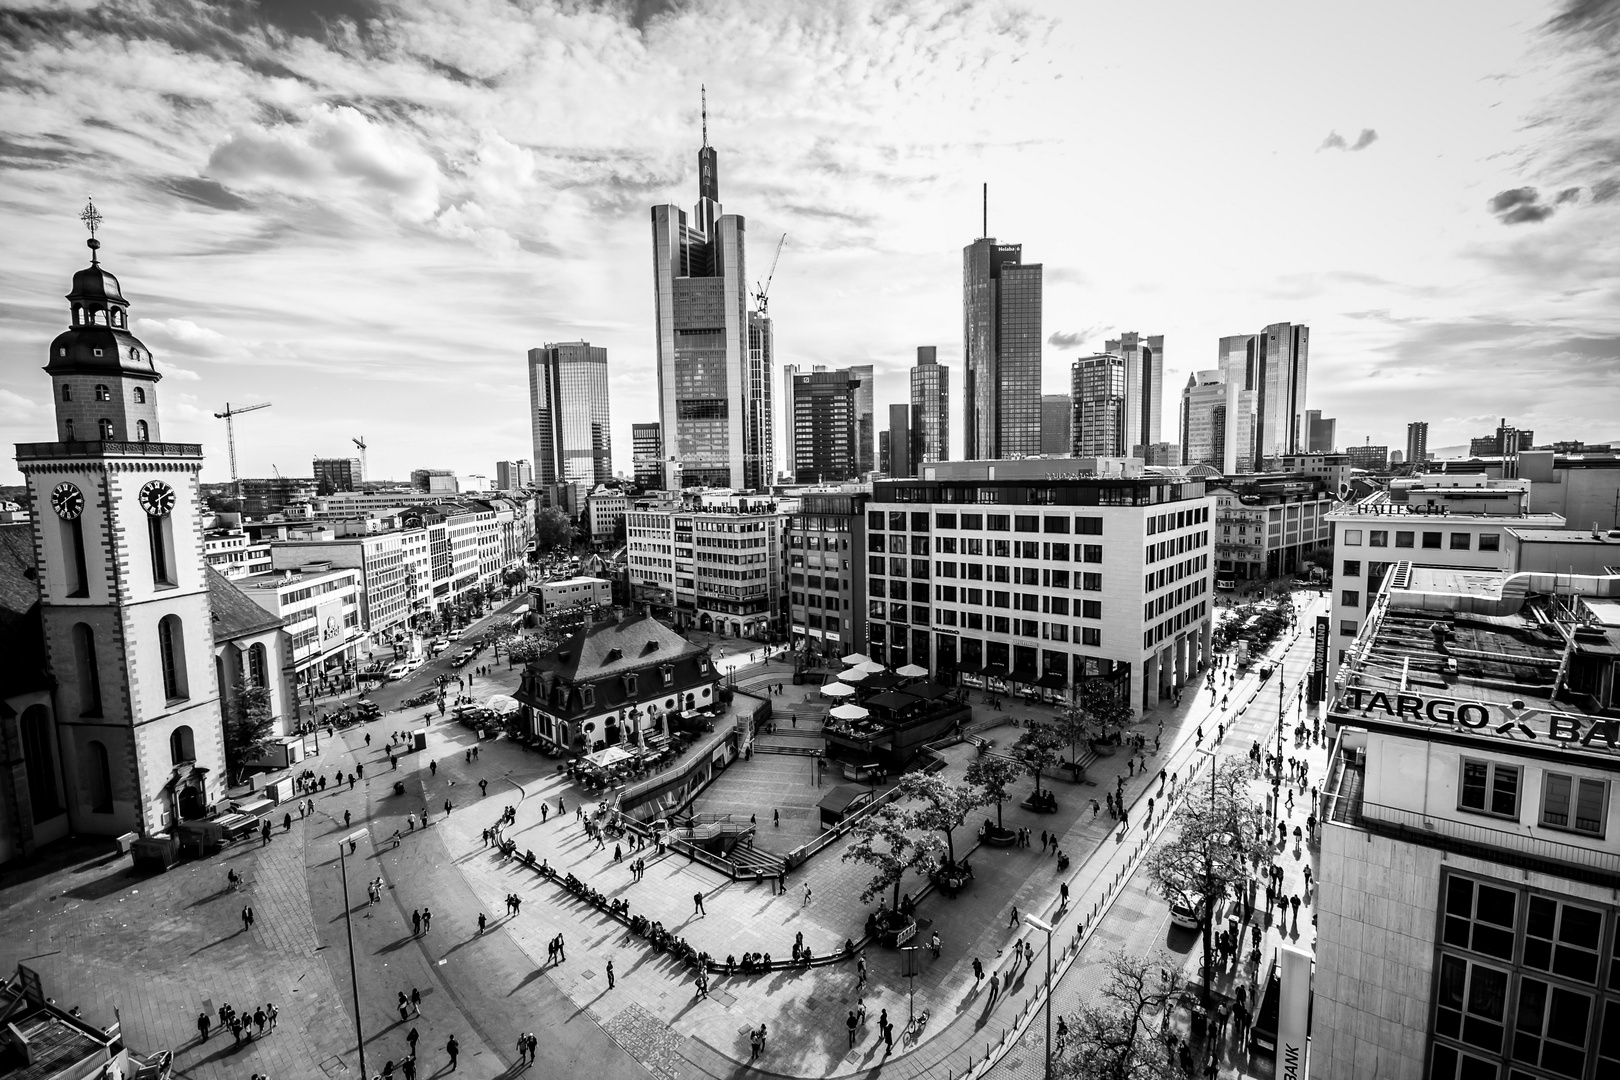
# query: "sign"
1320,662
32,988
1293,1013
329,622
1526,725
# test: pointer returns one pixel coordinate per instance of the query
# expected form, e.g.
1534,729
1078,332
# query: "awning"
970,669
1025,676
912,671
501,704
994,671
1052,680
606,759
849,712
837,690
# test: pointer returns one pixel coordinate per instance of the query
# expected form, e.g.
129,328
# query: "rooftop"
234,612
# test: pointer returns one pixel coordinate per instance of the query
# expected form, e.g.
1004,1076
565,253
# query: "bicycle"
915,1027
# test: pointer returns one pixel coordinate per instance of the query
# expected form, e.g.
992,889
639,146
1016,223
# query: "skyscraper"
647,455
1274,364
1417,443
930,409
1001,351
822,410
1057,425
1321,433
1098,390
568,396
513,475
1144,386
714,354
337,474
900,463
1217,420
865,421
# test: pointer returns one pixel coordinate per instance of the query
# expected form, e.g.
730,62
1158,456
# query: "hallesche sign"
1535,724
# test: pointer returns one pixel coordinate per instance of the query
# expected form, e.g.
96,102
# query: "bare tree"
1119,1038
1206,851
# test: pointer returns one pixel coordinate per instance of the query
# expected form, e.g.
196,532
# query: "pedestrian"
610,974
776,818
259,1019
481,922
850,1024
1012,920
886,1029
806,895
346,817
272,1012
433,768
202,1027
1293,902
411,1037
860,972
1063,895
697,905
452,1048
286,821
995,986
447,808
754,1045
545,809
534,1044
483,787
416,922
247,918
1043,841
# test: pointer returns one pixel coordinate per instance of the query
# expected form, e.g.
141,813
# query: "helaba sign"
1564,729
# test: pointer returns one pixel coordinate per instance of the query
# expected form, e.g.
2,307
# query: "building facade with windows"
1267,525
384,603
1001,351
824,425
1434,520
1466,900
714,565
826,541
320,607
569,421
647,460
1144,386
1029,575
1097,390
513,475
930,408
338,474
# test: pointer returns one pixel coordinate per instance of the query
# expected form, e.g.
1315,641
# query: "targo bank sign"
1534,725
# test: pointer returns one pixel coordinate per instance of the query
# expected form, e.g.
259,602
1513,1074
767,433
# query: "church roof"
236,615
22,634
614,647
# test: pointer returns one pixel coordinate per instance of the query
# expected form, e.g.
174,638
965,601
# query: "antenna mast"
986,222
704,91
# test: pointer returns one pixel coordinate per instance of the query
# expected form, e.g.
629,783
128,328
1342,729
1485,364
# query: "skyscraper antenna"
704,90
986,210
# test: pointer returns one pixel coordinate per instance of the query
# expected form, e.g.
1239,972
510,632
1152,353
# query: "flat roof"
581,580
1563,536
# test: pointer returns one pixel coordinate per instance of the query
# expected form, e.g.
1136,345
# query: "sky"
366,211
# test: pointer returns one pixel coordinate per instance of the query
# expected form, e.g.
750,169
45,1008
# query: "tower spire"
92,221
704,91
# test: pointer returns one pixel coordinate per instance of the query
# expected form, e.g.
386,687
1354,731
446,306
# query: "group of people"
240,1025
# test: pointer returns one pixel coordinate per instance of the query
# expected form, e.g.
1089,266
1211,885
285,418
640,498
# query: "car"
1185,916
399,671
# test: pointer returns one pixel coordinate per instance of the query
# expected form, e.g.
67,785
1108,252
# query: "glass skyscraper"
1001,350
1274,365
930,409
568,399
1144,387
822,414
714,353
1098,388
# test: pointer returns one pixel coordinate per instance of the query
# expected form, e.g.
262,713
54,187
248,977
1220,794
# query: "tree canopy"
888,842
552,529
945,806
1114,1039
1038,748
249,727
994,773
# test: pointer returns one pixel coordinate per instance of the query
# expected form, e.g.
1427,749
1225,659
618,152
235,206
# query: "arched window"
39,763
257,662
87,670
78,316
102,393
172,648
181,745
106,429
99,318
118,320
140,395
67,392
67,427
141,434
99,788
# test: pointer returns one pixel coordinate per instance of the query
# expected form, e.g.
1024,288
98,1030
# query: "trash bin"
399,787
419,740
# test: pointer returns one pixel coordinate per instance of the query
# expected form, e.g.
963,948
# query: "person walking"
776,818
404,1007
697,905
427,919
534,1045
416,922
347,816
1012,920
754,1045
886,1030
481,921
850,1024
452,1048
247,918
416,1006
259,1019
806,895
978,972
271,1012
202,1027
610,974
411,1037
995,987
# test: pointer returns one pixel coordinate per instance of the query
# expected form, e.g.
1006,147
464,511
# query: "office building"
604,510
865,420
884,461
759,430
1321,433
1275,364
1005,575
1369,457
1417,443
1583,487
513,475
1466,897
380,557
1395,459
475,482
1001,351
826,539
1267,525
647,461
1097,390
713,563
575,593
900,463
1057,425
823,433
709,401
1159,453
1217,418
930,408
568,400
1507,441
263,496
434,481
320,606
338,474
1442,521
1144,386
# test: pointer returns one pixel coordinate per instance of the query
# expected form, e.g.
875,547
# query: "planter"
1104,749
895,931
1000,837
1044,804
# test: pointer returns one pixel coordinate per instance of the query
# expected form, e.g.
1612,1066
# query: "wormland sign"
1591,733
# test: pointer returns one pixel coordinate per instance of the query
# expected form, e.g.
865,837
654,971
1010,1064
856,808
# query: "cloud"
1518,206
1335,141
1071,339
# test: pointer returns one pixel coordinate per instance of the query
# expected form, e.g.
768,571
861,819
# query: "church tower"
123,585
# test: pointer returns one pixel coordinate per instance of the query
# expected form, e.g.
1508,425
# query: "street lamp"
1047,928
348,923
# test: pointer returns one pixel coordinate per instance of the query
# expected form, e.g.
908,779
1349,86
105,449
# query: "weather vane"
92,221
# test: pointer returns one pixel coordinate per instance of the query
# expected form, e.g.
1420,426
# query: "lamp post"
348,924
1046,927
1282,705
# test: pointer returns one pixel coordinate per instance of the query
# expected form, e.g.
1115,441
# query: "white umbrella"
502,704
853,675
837,689
849,712
912,671
871,667
856,658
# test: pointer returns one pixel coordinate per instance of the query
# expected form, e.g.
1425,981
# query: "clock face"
157,498
67,500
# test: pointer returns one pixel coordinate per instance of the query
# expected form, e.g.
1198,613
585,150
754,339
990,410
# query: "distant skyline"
368,212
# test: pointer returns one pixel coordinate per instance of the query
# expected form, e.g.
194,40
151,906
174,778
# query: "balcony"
47,450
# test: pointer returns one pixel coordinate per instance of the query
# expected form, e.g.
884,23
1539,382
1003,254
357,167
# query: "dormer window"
630,685
587,696
668,671
614,654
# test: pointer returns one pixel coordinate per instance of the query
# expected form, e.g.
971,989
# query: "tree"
513,576
994,773
1115,1040
887,842
945,806
1099,711
552,529
249,726
1207,849
1038,748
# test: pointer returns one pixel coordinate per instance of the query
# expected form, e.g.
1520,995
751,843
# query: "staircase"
798,731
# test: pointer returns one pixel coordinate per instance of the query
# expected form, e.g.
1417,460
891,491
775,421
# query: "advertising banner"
1293,1012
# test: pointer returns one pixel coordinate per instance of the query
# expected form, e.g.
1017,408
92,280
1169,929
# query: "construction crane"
762,292
230,438
361,443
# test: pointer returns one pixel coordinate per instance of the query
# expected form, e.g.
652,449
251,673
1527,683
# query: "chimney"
1438,629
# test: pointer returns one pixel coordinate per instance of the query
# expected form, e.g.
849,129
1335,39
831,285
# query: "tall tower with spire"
715,355
123,587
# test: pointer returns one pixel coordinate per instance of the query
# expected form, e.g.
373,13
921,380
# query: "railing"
106,448
1498,845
